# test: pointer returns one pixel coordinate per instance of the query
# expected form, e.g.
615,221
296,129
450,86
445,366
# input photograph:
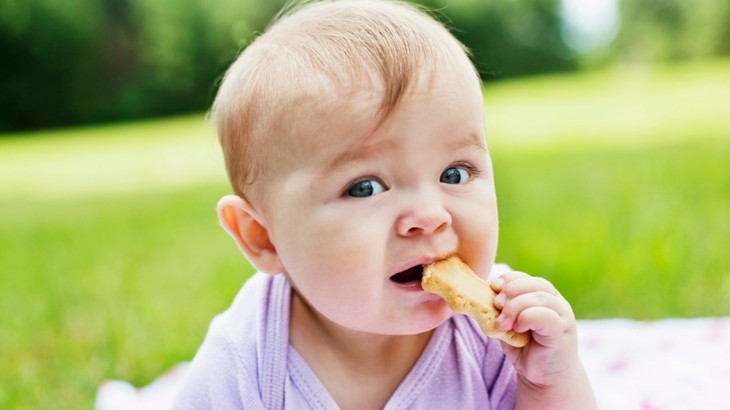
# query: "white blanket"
666,364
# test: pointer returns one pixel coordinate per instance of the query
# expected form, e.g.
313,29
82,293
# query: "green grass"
640,233
113,160
107,287
614,185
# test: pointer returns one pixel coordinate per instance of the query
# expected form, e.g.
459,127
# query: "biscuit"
467,293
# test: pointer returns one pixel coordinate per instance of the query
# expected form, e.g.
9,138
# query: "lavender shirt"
246,362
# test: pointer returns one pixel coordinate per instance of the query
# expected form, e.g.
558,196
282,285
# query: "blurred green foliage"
93,61
508,38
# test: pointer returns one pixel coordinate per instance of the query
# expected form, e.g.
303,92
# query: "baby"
353,135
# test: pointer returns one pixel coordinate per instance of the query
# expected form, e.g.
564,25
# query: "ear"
248,229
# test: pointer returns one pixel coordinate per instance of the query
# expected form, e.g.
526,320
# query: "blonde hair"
310,50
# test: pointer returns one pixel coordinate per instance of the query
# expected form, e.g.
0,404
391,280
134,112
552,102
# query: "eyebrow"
359,152
472,140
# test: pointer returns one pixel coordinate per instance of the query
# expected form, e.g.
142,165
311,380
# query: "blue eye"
365,188
454,175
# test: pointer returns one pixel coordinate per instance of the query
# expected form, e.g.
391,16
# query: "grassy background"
614,185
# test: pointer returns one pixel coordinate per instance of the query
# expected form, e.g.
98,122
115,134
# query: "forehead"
329,119
352,118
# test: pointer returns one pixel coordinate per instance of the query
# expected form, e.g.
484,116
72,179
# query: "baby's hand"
549,369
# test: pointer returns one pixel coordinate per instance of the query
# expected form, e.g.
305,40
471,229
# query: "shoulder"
231,361
257,314
242,316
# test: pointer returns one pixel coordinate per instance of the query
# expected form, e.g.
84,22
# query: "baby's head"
353,133
313,59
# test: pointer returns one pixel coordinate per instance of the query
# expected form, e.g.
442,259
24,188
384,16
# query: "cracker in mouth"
467,293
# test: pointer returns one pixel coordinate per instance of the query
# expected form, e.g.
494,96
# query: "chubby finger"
512,309
524,283
541,320
499,282
548,328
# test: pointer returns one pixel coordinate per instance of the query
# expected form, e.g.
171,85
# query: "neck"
359,369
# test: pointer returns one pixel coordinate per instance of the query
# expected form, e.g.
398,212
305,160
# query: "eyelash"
473,170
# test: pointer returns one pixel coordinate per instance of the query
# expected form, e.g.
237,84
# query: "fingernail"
498,283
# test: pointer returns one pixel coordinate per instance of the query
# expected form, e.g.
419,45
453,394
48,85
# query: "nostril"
443,226
423,218
424,226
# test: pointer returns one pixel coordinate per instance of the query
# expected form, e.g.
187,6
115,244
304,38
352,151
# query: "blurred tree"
509,38
69,63
42,45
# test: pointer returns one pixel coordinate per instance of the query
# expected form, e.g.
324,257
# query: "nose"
423,216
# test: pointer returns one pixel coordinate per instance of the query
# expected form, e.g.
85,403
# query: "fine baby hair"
314,55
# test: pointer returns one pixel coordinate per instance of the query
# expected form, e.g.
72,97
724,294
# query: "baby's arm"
549,372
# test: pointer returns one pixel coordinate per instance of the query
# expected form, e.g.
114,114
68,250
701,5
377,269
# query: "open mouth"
412,274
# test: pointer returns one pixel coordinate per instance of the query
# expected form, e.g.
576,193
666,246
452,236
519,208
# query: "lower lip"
413,291
410,286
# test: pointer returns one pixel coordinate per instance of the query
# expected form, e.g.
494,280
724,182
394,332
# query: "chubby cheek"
337,267
478,235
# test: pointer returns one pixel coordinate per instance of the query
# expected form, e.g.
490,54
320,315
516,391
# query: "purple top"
246,362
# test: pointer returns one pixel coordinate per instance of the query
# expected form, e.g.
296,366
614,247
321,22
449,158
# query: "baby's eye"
365,188
455,175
